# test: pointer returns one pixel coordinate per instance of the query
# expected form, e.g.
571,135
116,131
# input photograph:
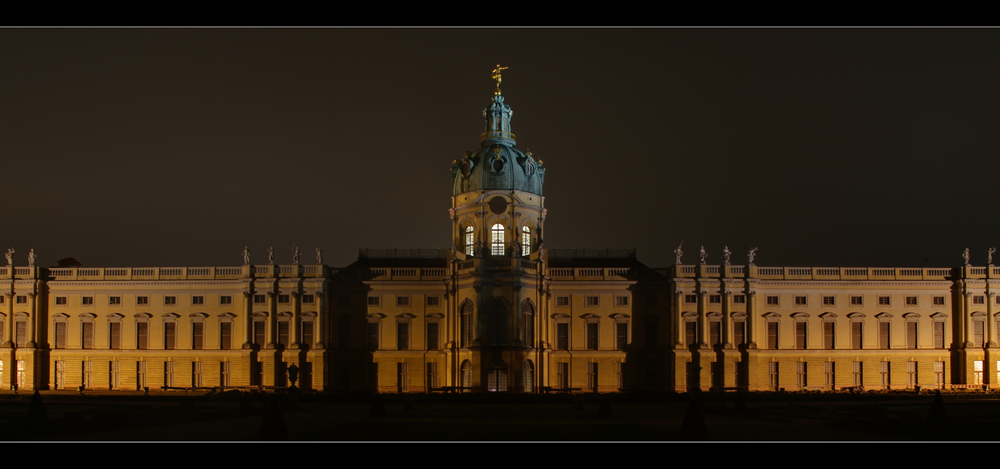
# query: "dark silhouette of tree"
68,262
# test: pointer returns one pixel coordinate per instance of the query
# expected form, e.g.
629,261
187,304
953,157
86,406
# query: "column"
293,327
678,319
320,327
727,330
967,319
272,319
247,318
9,328
31,319
751,319
990,322
702,317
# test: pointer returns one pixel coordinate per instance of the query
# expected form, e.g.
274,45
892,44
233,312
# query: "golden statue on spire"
496,76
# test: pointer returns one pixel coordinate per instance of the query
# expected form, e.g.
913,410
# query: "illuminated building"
499,311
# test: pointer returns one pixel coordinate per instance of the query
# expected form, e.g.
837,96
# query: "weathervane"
496,76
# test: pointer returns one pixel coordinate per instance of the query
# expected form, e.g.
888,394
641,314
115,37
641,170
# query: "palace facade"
499,312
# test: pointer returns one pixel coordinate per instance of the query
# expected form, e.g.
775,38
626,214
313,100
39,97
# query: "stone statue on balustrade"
246,254
10,256
751,255
725,255
703,255
965,256
295,254
678,252
270,255
31,258
319,255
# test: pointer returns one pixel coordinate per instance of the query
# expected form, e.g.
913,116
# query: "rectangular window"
88,335
226,335
21,333
88,301
225,300
856,337
284,299
856,301
306,330
772,301
621,335
690,333
828,301
829,369
772,335
978,300
857,373
60,301
115,300
21,299
226,373
142,335
88,370
562,301
402,301
262,299
772,375
373,336
562,336
432,376
911,375
198,300
172,300
977,333
168,374
60,374
197,336
60,334
714,333
883,301
939,374
592,377
142,300
259,332
593,301
196,370
433,301
939,300
715,299
310,299
113,375
800,301
829,337
884,375
691,299
739,332
169,335
592,336
115,336
911,301
432,336
402,377
621,301
402,336
562,375
283,333
800,375
977,372
911,335
883,335
739,299
938,334
800,335
372,300
650,300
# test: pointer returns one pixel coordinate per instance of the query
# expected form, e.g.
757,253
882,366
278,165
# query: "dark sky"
823,147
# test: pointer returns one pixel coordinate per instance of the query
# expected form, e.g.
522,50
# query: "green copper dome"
497,164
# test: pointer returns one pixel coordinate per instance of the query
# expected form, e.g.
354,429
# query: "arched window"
529,377
497,241
470,242
467,323
528,313
525,241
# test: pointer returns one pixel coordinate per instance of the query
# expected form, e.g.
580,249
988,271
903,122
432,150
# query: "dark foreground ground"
761,417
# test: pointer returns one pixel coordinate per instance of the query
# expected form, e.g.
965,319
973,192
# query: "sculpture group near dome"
499,312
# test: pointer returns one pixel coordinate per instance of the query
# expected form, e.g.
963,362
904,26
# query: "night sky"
823,147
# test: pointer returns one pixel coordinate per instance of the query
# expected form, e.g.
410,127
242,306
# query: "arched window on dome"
525,241
496,240
470,243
